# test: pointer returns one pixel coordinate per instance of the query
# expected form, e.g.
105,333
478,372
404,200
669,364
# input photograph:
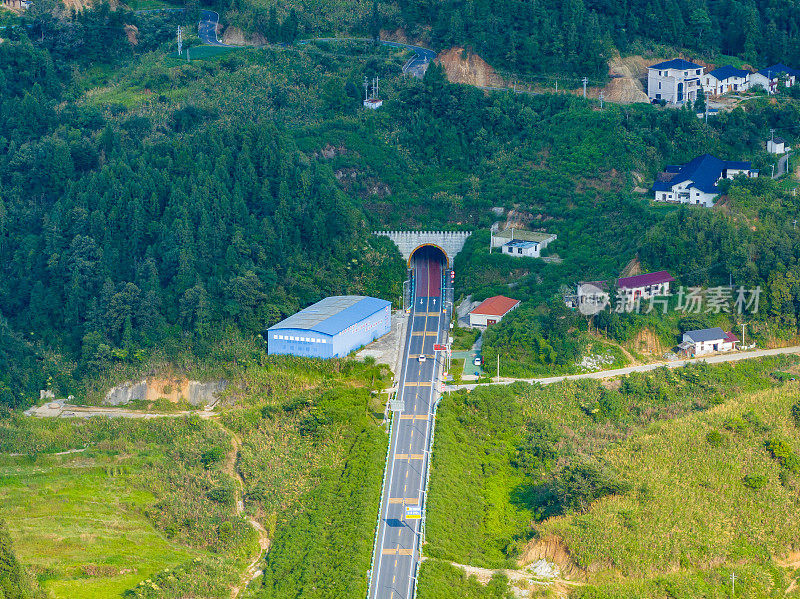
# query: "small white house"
373,103
707,341
696,182
777,145
520,243
770,77
725,79
492,310
674,81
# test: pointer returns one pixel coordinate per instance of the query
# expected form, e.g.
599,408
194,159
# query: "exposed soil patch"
462,66
555,551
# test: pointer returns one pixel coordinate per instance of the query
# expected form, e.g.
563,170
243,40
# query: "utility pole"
180,41
602,97
743,343
772,134
585,81
498,367
366,89
556,85
733,584
187,55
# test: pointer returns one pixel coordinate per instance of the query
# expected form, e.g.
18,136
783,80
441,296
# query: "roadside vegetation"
599,467
147,508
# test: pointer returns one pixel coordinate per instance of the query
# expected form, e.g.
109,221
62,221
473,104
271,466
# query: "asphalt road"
207,28
417,65
605,374
396,557
783,166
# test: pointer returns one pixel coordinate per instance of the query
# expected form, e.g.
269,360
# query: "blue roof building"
725,79
696,181
331,328
768,78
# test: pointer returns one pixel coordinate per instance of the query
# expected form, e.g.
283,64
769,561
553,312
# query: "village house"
769,78
492,310
674,81
707,341
725,79
591,296
643,287
520,243
777,145
696,182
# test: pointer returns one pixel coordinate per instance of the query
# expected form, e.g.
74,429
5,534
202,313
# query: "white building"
696,182
520,243
707,341
770,77
492,310
674,81
643,287
725,79
777,145
373,103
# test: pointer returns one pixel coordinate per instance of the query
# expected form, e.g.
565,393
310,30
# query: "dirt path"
526,578
230,467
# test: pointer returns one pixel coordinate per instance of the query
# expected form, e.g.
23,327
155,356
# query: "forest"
146,204
542,38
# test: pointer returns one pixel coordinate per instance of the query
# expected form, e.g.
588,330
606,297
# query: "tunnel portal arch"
450,243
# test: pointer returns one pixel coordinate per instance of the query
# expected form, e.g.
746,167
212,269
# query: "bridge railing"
375,547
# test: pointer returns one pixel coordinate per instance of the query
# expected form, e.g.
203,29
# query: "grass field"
659,485
691,509
76,523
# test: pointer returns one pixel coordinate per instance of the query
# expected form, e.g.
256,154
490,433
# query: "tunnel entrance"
429,252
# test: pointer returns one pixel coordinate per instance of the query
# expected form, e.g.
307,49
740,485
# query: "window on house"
659,85
697,72
659,73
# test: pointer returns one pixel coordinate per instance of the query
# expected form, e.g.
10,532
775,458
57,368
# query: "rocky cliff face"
195,392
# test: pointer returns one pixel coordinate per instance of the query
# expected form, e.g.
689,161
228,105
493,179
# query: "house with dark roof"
725,79
696,182
707,341
770,77
777,145
674,81
643,287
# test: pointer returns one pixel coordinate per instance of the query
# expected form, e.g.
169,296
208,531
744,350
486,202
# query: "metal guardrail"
380,505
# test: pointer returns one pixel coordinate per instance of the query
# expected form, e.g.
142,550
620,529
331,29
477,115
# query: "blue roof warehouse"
332,327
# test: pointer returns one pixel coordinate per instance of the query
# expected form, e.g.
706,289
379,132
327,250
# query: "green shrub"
224,495
580,484
796,413
715,438
755,481
735,424
782,452
212,456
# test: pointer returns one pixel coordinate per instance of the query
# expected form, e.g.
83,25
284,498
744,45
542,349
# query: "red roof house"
492,310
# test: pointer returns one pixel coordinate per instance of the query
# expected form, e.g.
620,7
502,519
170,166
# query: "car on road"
421,357
477,361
